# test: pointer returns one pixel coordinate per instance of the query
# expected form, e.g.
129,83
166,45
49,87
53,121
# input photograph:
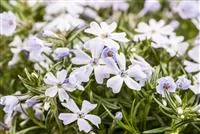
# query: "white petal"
119,37
93,119
51,92
87,107
50,79
111,43
94,29
61,75
112,65
121,61
67,118
136,72
101,72
96,48
81,57
112,27
71,105
115,83
84,125
131,83
63,96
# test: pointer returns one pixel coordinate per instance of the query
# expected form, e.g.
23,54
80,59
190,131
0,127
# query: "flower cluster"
99,67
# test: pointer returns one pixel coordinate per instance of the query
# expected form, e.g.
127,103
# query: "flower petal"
93,119
51,92
111,43
81,57
67,118
50,79
63,96
87,107
131,83
61,75
121,60
71,105
84,125
94,29
115,83
101,72
121,37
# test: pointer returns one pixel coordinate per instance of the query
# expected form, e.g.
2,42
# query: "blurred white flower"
55,7
143,70
121,74
36,47
64,22
91,63
8,23
165,84
105,34
183,83
157,31
196,84
16,47
174,45
48,34
150,6
81,116
194,54
188,9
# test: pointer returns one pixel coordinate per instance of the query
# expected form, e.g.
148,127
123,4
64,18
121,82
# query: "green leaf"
24,131
157,130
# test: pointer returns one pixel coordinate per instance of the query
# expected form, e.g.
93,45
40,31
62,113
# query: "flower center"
94,61
81,115
104,35
59,85
123,73
110,53
166,86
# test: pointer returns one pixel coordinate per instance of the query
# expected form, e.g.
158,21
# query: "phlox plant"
99,67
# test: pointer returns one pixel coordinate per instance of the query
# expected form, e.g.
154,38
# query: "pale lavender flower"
8,23
183,83
165,84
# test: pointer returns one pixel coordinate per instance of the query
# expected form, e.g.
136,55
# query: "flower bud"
179,110
164,102
178,99
118,115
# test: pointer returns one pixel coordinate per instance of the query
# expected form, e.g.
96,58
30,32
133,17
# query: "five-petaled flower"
81,116
105,34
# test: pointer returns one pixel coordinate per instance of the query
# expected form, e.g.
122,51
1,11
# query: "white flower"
121,74
55,7
196,84
36,47
105,34
64,22
165,84
81,116
57,85
49,34
188,9
175,45
143,71
91,63
16,47
157,31
150,6
8,23
183,83
194,54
